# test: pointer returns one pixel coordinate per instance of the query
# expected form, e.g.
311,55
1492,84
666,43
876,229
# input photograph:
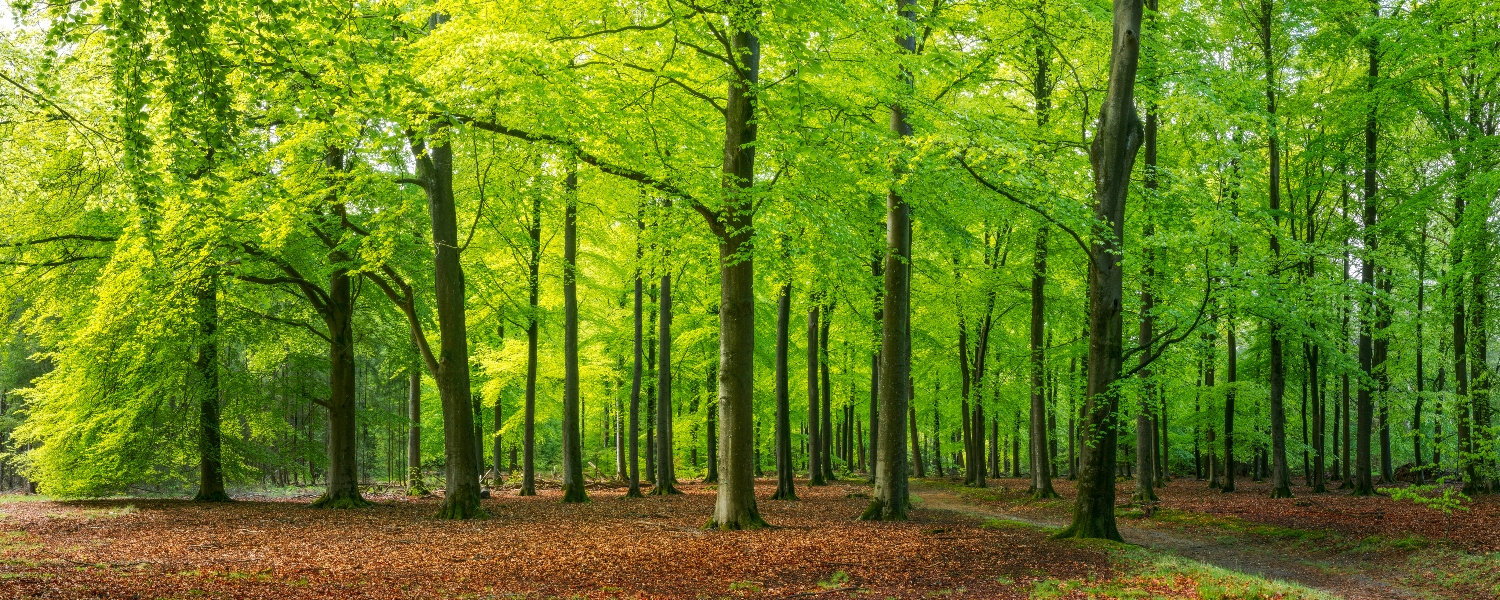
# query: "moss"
341,502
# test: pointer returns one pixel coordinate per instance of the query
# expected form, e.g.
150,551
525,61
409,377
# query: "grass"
1237,525
1143,573
1455,569
94,513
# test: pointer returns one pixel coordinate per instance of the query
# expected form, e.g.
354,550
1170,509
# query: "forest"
515,298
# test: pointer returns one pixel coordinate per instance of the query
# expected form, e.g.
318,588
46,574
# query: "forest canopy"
266,243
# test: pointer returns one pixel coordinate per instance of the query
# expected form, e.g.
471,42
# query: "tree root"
218,496
341,502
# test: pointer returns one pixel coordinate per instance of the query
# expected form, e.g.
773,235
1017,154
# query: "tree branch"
58,238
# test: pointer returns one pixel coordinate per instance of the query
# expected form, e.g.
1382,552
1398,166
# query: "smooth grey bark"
826,437
1112,155
572,444
889,501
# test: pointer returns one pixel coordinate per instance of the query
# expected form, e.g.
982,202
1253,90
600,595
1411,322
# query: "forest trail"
1341,576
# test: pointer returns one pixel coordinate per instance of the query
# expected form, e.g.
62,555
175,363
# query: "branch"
1162,346
290,322
1033,207
405,301
615,30
58,238
642,178
51,263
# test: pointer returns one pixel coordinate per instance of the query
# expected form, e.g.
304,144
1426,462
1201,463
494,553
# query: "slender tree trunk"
666,472
877,273
1363,486
210,442
635,385
1382,379
338,317
533,291
916,444
786,488
1281,477
572,444
825,318
1041,478
1231,376
713,429
414,431
814,414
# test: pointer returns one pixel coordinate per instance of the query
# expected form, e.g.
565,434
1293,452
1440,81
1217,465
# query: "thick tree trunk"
572,446
1281,477
786,488
338,317
735,506
210,441
461,495
1112,155
1041,478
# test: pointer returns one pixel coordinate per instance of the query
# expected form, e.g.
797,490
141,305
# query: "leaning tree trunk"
572,447
786,488
814,413
210,441
1112,155
735,506
1041,478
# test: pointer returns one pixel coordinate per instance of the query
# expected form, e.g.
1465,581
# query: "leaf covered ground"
530,547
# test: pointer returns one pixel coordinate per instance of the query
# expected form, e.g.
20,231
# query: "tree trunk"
890,498
814,413
666,461
210,442
572,446
825,318
1041,479
1112,155
414,431
533,291
916,444
786,488
1281,478
713,429
634,473
338,317
1363,486
735,507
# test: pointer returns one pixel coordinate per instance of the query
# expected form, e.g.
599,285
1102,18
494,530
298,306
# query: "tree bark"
1112,154
786,488
210,441
634,473
572,444
735,507
415,486
1363,486
533,317
1041,479
666,461
814,413
825,319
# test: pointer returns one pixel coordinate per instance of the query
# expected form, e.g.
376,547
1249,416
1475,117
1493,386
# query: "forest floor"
1346,546
610,548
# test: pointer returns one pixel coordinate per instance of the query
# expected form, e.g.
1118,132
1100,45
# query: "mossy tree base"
665,490
417,490
459,509
342,501
213,496
747,521
527,491
1146,495
574,494
634,492
1281,492
879,511
1090,530
787,495
1046,494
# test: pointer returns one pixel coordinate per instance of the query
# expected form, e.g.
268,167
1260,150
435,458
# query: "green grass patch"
1455,569
1007,524
14,498
1410,542
1142,573
94,513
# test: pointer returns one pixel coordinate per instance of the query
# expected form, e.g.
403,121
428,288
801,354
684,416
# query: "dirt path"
1347,579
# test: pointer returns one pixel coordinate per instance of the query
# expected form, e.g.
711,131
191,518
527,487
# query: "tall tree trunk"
1363,486
450,365
890,498
875,271
1419,470
572,444
735,507
825,319
338,317
1041,479
1281,477
210,441
786,488
814,414
533,317
916,444
634,473
713,428
666,461
1112,154
1231,377
1382,377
